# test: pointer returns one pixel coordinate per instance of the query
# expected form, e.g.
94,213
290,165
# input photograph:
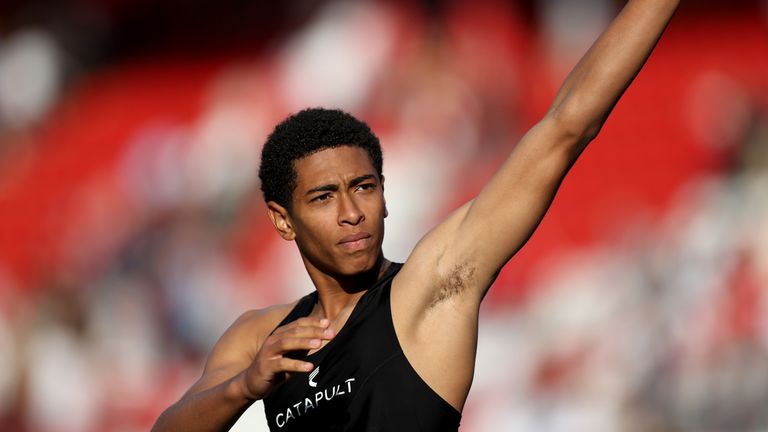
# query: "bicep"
504,215
232,353
475,241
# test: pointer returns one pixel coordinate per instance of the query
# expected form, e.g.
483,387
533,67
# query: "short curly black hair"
302,134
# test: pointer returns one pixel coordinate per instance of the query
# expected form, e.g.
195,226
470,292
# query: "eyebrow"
334,187
323,188
363,178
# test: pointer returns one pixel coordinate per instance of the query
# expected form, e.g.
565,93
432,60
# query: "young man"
379,345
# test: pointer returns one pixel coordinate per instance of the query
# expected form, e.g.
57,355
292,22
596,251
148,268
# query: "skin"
436,296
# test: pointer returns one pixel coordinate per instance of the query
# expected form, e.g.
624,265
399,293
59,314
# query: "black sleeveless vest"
362,380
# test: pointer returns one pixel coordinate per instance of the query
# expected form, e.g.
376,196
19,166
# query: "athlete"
379,345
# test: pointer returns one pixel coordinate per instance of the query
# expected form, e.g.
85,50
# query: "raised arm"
591,90
484,234
523,189
436,296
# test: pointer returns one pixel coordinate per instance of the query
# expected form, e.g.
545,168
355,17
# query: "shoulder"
266,320
243,339
238,346
254,326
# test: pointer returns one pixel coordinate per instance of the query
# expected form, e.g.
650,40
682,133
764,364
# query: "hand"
272,366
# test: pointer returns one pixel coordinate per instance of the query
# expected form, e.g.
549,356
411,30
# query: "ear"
281,220
386,212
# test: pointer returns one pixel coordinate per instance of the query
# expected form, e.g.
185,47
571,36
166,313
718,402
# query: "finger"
280,346
305,322
308,332
312,322
285,364
274,370
303,332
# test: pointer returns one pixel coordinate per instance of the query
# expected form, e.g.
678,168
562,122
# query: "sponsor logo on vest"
309,403
312,377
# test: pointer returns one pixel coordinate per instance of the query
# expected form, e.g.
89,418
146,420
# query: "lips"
354,242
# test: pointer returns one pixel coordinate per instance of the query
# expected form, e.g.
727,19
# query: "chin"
356,265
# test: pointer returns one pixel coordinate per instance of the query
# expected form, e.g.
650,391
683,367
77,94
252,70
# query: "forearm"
593,87
216,408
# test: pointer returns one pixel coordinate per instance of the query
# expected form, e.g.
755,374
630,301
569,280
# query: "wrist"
238,388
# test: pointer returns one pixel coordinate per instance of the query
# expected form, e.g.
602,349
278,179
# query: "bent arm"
219,397
485,233
247,363
216,408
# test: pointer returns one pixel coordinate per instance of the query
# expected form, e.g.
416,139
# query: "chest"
345,371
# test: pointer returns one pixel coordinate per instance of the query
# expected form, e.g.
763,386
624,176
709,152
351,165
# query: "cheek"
377,209
315,229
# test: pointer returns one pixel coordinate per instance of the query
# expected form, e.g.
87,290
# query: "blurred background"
132,230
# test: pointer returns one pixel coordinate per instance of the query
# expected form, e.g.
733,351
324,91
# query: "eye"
321,198
365,187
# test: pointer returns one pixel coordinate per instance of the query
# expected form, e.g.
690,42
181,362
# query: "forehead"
332,165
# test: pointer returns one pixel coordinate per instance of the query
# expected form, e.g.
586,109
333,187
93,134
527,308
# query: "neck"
339,292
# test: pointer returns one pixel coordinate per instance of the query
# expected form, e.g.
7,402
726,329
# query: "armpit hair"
458,279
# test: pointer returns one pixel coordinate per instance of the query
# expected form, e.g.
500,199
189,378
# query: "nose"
349,212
